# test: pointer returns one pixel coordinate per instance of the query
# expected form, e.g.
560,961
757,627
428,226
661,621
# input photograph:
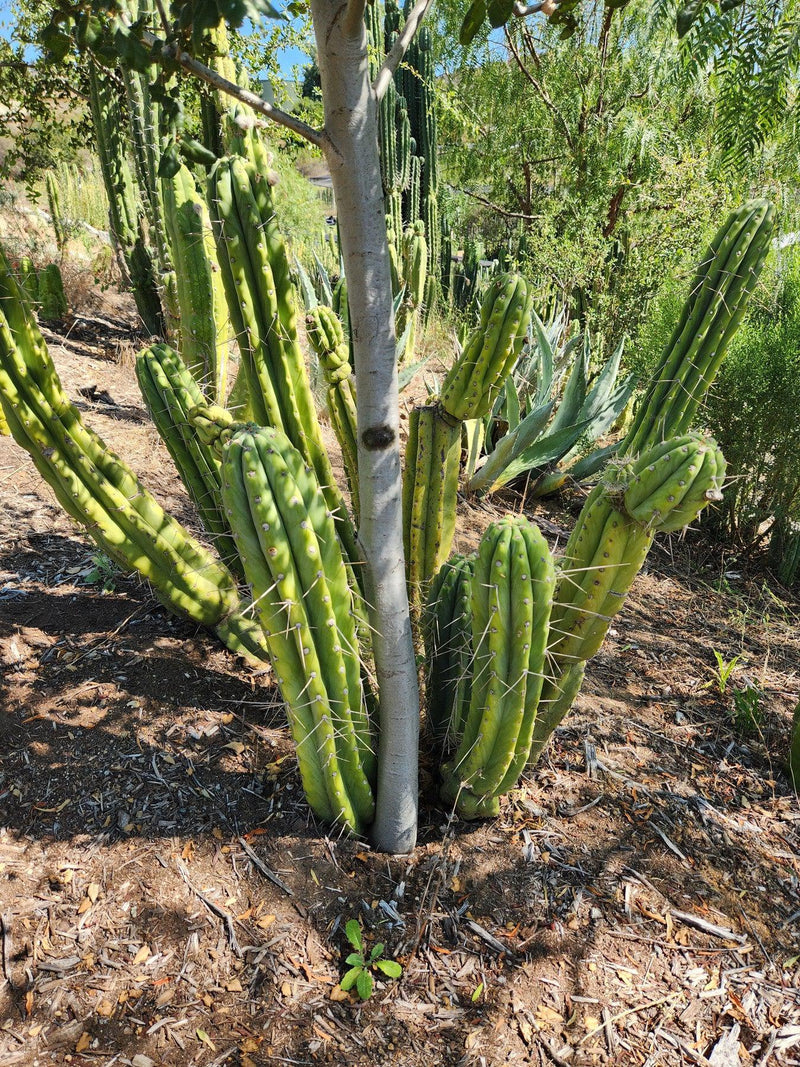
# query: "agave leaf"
304,284
324,281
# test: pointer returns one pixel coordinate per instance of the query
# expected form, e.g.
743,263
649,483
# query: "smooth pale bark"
351,149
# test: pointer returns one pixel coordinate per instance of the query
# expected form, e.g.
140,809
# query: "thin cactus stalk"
447,636
256,273
430,484
93,485
721,289
511,597
124,216
415,269
292,560
56,217
794,751
203,325
327,338
171,392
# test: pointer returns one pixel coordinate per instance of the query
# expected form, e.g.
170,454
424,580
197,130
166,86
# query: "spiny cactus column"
204,324
326,336
261,301
171,393
286,539
721,289
124,217
52,299
447,636
430,476
54,204
511,597
662,491
415,260
92,484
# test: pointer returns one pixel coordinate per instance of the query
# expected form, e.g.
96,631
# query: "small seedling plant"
361,966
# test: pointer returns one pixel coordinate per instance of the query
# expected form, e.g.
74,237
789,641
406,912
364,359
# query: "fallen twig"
226,917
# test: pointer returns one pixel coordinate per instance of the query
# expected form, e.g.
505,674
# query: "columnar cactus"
54,203
662,490
204,325
511,597
124,217
92,484
256,273
447,636
433,449
721,289
430,484
415,273
171,393
326,335
286,539
52,299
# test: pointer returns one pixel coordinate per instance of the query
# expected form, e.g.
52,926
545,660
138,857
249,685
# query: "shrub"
754,412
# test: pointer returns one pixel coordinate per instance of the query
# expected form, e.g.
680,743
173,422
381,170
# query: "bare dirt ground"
166,898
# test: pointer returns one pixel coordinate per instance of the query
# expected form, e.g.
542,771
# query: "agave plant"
551,409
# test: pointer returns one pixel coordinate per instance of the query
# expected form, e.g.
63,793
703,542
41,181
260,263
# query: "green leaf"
353,933
477,992
355,959
389,967
377,951
473,20
350,978
364,985
499,12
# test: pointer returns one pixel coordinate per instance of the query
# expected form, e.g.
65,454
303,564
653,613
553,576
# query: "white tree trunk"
351,149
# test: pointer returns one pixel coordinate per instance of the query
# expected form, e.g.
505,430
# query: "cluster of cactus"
43,288
507,633
56,215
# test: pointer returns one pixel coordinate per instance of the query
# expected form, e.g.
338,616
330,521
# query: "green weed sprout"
725,669
362,966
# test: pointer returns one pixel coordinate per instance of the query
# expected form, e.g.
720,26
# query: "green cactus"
52,299
473,383
286,539
256,273
54,203
124,217
326,336
721,289
430,484
171,392
447,636
203,326
93,485
28,280
511,597
415,273
794,751
662,490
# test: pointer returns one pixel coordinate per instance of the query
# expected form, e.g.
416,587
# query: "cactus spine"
93,485
511,597
203,324
286,539
256,274
327,339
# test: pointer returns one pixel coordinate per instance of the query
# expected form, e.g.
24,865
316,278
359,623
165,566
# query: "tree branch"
547,7
540,89
206,74
354,18
496,207
400,47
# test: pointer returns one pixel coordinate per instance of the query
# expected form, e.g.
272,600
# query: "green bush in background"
754,413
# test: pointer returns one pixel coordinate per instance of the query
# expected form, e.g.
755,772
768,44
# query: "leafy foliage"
361,965
754,412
